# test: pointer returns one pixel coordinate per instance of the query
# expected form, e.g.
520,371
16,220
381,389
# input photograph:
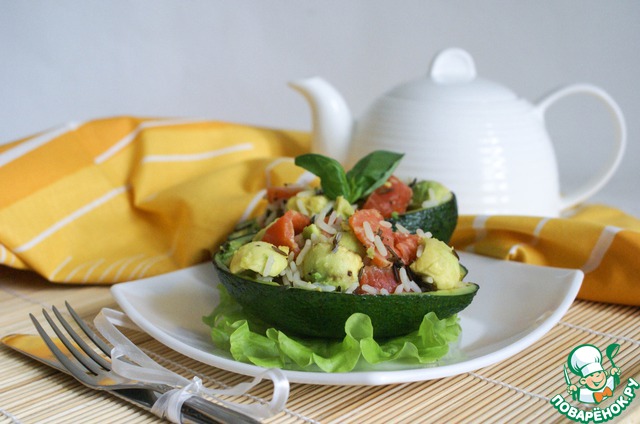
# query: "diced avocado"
463,271
310,230
254,256
349,241
229,248
337,267
307,204
343,208
439,262
431,192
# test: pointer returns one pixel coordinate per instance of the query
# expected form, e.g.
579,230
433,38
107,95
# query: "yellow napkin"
124,198
119,199
601,241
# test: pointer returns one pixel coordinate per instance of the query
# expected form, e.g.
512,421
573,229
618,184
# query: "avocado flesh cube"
229,248
431,191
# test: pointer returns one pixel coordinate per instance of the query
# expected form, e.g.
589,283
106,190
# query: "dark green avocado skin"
440,220
305,313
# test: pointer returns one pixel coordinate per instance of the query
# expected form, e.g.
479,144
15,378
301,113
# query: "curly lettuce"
250,340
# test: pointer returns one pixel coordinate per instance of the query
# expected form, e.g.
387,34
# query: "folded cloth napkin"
119,199
124,198
601,241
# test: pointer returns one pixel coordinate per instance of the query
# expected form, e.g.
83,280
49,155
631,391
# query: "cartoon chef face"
595,381
586,361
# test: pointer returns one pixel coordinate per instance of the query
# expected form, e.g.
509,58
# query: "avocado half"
309,313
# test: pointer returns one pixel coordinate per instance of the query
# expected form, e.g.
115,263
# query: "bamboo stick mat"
516,390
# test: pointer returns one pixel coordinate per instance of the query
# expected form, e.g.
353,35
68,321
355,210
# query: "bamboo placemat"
515,390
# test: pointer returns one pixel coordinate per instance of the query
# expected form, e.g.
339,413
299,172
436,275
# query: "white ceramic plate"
516,305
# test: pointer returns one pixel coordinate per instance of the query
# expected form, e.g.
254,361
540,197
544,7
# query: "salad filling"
341,236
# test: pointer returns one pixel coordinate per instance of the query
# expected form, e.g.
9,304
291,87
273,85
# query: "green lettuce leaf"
250,340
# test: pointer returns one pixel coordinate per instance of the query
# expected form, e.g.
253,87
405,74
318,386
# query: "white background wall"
78,60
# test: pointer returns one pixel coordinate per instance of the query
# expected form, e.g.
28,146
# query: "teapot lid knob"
452,78
453,66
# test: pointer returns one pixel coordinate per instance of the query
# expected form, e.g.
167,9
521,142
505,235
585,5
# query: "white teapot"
475,136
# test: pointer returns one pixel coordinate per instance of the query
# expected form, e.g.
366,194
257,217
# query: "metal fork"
94,370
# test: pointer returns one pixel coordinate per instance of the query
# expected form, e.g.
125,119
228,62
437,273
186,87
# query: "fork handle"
196,410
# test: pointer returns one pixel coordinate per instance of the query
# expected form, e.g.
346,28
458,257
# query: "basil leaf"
333,179
371,172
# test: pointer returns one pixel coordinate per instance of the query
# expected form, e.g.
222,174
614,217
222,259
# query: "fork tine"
82,358
83,345
76,371
94,338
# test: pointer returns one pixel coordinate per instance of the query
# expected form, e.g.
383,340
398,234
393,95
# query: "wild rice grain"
324,211
332,218
336,242
305,193
380,246
295,274
319,219
264,279
368,232
415,287
404,280
303,252
352,288
368,289
304,285
402,229
324,287
278,251
301,207
432,201
268,265
324,227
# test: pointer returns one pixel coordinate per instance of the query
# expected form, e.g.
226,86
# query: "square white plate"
516,305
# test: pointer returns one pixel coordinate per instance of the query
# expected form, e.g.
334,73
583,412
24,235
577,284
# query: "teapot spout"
332,119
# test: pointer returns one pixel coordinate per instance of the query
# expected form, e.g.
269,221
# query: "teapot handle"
605,173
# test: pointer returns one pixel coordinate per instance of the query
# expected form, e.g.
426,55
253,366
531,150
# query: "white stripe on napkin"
70,218
37,141
600,249
128,139
192,157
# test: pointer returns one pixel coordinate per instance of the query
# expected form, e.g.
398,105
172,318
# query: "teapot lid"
452,78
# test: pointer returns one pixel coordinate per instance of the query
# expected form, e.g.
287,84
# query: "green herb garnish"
367,175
